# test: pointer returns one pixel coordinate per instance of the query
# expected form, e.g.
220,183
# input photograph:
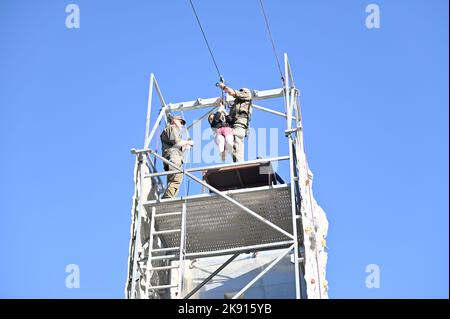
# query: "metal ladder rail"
181,248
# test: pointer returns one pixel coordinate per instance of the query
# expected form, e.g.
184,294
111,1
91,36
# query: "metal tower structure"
165,233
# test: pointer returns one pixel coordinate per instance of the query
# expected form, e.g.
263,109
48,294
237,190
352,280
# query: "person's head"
178,121
246,93
210,118
245,90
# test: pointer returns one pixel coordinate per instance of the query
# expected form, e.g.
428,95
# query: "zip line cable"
266,20
206,40
271,40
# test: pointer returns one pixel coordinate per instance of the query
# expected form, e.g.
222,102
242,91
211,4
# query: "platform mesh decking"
213,223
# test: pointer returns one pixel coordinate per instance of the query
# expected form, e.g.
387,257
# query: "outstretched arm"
227,89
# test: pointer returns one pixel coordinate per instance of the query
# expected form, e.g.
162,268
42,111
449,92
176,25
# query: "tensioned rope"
271,40
206,40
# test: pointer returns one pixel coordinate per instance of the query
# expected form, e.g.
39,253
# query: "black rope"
271,40
206,40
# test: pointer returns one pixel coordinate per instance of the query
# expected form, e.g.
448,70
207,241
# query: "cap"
246,90
245,94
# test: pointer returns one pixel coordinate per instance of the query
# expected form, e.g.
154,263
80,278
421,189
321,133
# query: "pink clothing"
224,139
225,131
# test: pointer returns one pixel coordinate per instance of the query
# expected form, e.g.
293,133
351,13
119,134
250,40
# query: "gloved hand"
221,85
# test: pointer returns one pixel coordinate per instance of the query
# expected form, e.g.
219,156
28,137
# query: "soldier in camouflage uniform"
172,149
239,117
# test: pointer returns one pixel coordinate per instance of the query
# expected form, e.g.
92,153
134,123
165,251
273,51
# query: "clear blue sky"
73,103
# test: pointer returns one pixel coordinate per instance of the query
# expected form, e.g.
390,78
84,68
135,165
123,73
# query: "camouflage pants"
173,180
238,148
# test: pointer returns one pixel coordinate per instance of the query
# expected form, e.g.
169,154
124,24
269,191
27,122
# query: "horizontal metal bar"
194,105
204,168
267,94
169,231
167,214
265,109
292,130
228,165
239,249
162,257
164,268
202,103
162,287
158,250
205,195
224,196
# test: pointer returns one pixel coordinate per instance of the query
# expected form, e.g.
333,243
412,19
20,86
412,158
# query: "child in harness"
220,124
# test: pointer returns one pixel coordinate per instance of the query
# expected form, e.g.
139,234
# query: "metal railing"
297,165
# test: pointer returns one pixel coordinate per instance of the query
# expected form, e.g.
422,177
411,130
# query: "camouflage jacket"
170,139
241,109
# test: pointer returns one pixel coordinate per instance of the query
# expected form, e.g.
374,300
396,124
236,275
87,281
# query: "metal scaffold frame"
299,185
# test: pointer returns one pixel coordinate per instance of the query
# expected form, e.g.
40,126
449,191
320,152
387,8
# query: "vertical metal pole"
286,93
149,108
308,190
182,250
150,248
137,237
291,170
132,230
158,120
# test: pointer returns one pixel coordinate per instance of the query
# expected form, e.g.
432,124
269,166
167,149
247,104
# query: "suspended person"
239,118
223,133
173,148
